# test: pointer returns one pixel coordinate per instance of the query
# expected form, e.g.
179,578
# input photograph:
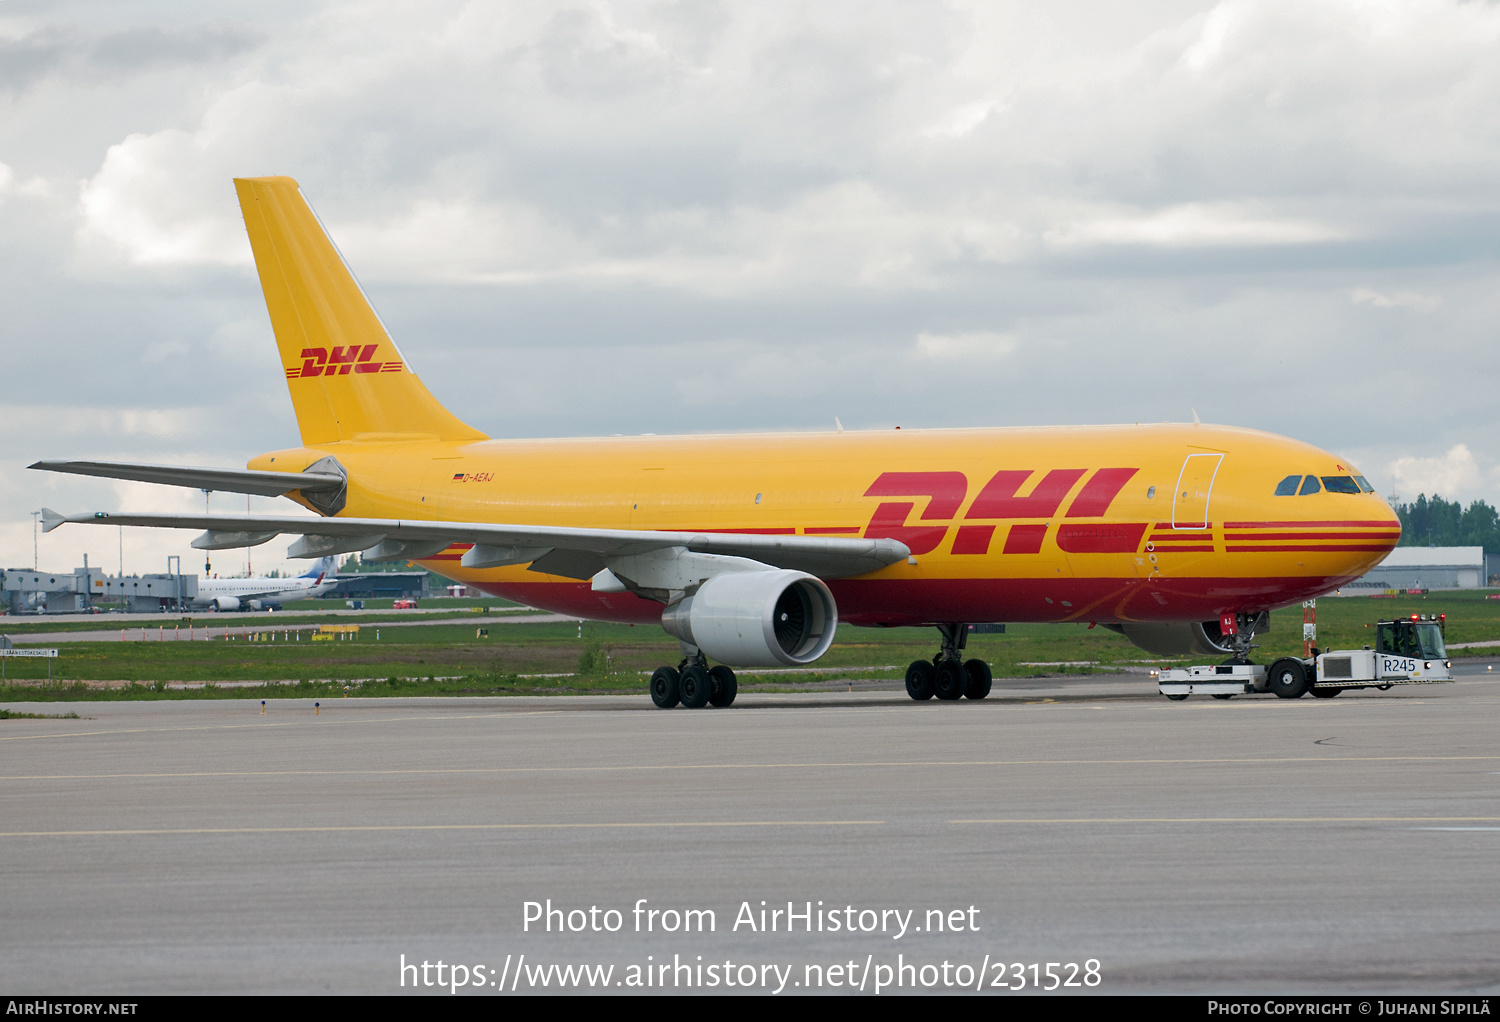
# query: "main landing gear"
948,676
693,684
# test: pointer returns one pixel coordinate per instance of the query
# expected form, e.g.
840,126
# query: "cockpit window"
1340,484
1309,485
1288,486
1364,484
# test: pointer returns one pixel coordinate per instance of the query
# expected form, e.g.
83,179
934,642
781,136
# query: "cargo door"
1194,485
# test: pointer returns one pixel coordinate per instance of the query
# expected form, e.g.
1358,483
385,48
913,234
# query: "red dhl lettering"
945,492
1101,539
1001,498
998,498
340,362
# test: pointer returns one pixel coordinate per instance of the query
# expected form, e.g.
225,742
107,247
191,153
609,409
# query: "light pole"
35,517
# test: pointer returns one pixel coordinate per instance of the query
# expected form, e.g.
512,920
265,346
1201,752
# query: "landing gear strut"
948,676
1239,643
693,684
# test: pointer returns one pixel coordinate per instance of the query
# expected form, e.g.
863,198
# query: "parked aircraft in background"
261,593
749,549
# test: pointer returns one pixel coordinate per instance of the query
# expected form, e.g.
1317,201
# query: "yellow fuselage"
1107,523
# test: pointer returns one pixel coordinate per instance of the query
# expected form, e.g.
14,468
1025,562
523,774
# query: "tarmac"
1083,826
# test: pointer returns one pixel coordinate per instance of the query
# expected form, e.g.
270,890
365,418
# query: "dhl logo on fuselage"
340,362
1000,499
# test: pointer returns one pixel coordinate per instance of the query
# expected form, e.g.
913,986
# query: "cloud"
965,347
28,57
1394,299
35,187
127,421
961,121
711,216
775,146
1192,225
1452,475
148,200
151,45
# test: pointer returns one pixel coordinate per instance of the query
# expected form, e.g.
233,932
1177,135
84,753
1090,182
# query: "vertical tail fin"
344,371
322,566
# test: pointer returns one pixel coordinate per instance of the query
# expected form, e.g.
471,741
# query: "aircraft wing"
570,552
227,480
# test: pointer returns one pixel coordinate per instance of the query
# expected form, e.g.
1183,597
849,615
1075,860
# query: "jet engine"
777,618
226,603
1176,638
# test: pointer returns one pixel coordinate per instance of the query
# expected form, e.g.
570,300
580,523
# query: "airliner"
750,549
264,593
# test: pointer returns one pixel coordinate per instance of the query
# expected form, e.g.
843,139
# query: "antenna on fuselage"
837,424
1195,418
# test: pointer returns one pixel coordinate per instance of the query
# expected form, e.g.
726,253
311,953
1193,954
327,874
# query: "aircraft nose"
1364,543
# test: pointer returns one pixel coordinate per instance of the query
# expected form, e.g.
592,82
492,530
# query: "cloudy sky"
626,217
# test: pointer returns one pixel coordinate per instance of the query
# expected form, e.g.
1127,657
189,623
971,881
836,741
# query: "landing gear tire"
977,679
664,690
725,686
694,686
1325,693
919,680
948,680
1287,679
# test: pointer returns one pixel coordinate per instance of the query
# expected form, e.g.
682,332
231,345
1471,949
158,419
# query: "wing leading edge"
570,552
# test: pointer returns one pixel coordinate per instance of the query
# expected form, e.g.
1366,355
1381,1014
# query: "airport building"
382,585
1427,567
28,591
148,594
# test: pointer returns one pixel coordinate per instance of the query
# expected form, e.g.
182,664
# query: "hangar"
1426,567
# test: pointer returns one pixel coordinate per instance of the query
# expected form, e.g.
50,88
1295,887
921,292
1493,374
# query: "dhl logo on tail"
343,358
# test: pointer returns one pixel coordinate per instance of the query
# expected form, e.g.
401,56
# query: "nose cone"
1371,539
1308,519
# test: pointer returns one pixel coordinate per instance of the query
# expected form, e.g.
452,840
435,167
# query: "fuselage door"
1194,484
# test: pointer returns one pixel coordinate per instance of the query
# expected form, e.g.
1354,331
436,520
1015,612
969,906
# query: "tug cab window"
1418,639
1288,486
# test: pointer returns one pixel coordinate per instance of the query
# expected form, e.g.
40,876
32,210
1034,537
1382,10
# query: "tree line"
1437,522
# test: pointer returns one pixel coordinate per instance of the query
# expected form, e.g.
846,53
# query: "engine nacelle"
1176,638
226,603
777,618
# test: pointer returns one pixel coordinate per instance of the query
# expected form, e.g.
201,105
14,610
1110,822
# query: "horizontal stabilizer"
824,556
227,480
